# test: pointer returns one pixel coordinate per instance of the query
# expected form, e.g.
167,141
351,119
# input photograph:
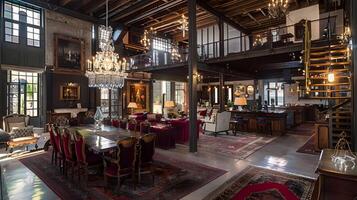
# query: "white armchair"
218,123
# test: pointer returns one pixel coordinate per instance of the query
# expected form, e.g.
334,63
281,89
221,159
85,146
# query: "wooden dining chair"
86,159
146,151
59,146
145,127
70,159
123,163
53,144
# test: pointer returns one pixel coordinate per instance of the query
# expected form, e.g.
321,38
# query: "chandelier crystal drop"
106,69
278,8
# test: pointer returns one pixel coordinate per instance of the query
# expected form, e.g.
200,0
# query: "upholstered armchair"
218,123
21,134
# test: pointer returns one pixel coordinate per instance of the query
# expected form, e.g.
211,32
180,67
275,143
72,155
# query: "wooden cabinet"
321,140
335,183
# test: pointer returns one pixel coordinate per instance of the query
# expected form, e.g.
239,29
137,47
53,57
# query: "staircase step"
329,84
328,97
328,52
326,70
328,58
330,91
334,47
325,78
330,64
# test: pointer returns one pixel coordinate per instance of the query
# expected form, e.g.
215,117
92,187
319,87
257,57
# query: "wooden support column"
221,37
353,24
221,92
192,72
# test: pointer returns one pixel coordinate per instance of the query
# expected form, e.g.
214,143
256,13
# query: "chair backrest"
79,146
147,148
14,120
52,136
67,148
133,125
222,120
127,153
123,123
60,119
58,139
145,127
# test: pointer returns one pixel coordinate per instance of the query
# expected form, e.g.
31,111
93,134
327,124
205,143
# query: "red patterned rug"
238,147
258,183
174,179
308,147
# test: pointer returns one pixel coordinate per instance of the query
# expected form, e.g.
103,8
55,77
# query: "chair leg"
73,165
105,182
52,157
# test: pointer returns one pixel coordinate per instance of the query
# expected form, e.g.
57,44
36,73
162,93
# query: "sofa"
19,130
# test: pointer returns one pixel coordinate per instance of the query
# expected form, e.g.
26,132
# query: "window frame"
274,91
113,95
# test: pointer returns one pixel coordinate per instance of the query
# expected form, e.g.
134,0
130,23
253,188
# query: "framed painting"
139,93
69,53
70,92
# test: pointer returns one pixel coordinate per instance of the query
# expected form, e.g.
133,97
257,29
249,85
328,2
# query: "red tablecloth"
182,128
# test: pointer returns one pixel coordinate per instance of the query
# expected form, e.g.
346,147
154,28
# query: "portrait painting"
68,53
138,93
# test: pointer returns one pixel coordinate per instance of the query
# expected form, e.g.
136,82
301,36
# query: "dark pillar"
192,72
221,37
221,92
353,24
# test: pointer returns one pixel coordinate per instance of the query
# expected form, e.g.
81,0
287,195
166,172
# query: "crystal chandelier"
183,25
278,8
175,55
106,70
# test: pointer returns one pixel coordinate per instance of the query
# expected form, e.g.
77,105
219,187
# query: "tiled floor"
281,155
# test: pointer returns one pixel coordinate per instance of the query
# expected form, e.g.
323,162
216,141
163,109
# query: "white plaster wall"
308,13
66,25
293,98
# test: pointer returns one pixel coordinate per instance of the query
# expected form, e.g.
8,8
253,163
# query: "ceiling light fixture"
278,8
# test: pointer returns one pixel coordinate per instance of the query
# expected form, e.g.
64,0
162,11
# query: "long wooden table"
102,140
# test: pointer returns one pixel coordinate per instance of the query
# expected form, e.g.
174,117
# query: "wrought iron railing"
267,39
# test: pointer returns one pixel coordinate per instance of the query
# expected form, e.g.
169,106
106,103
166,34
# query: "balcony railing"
268,39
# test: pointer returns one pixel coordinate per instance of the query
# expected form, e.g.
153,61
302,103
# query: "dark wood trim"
353,24
192,71
221,92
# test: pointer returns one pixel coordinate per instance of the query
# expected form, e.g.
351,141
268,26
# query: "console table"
333,182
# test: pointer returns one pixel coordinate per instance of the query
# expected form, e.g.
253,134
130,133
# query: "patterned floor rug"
238,147
173,179
308,147
258,183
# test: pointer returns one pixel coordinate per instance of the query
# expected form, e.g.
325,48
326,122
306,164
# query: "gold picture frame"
70,92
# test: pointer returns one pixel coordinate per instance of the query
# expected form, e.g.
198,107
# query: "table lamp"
169,104
240,101
133,106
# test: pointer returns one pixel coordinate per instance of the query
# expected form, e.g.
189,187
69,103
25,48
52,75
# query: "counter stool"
243,124
233,126
264,125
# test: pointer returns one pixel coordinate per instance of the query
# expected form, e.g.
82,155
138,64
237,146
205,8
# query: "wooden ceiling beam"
129,9
93,6
203,4
64,2
155,10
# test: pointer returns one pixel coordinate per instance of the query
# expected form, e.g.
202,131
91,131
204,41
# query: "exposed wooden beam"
63,10
130,9
64,2
153,11
203,4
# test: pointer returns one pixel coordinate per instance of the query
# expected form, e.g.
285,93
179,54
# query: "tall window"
274,93
180,94
23,93
17,15
109,102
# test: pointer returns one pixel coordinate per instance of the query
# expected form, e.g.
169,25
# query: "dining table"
104,139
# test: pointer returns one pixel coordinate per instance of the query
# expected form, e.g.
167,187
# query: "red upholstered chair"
70,159
133,125
59,146
123,123
85,159
53,143
146,154
123,164
145,127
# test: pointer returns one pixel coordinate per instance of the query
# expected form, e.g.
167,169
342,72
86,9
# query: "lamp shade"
240,101
169,104
132,105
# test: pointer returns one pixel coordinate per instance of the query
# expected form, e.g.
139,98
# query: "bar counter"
276,117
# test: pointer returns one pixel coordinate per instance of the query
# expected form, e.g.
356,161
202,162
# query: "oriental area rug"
258,183
174,179
238,147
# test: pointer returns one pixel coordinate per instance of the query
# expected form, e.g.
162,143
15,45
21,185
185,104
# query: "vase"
98,117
